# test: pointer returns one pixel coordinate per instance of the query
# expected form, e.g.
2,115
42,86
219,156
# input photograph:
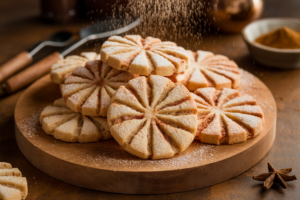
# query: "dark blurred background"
26,16
28,9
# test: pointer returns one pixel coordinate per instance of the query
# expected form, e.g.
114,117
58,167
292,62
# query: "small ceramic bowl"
267,56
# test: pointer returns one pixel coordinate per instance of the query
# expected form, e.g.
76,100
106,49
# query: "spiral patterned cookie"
61,69
89,89
226,117
153,117
12,185
141,56
66,125
209,70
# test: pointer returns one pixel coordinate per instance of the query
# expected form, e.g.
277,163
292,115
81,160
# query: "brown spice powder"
282,38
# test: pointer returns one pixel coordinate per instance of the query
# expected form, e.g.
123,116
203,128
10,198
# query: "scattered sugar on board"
30,126
248,85
121,159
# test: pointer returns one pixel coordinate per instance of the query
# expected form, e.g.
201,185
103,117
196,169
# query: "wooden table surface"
20,27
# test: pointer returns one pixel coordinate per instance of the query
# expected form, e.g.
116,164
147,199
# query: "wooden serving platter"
105,166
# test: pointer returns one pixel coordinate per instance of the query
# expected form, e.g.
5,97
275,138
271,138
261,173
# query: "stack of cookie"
154,98
12,185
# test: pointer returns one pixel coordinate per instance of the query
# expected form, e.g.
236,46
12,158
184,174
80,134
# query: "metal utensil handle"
101,35
43,67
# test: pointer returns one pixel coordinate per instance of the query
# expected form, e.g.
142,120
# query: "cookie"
64,67
209,70
66,125
4,165
146,56
226,117
89,89
153,117
10,172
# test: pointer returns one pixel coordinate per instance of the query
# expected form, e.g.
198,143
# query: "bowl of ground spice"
274,42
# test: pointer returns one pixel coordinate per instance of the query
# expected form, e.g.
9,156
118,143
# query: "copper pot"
233,15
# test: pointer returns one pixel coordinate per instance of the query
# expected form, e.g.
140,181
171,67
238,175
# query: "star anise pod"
279,176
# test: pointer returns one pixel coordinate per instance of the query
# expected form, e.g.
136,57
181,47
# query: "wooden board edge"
160,182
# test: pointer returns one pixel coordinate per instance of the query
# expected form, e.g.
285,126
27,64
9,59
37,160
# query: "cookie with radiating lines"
209,70
226,117
64,124
89,89
63,67
153,117
141,56
12,185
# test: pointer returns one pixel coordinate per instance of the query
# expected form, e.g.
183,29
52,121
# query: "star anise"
279,176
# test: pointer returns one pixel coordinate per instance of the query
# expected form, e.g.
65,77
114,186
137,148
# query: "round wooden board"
107,167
